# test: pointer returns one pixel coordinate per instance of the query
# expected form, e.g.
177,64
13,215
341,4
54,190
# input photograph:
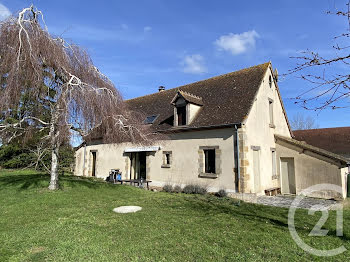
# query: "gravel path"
306,203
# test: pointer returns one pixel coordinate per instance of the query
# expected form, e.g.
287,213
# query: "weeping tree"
328,75
49,85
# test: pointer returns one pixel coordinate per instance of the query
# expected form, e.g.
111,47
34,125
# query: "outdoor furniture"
113,175
135,182
140,182
273,191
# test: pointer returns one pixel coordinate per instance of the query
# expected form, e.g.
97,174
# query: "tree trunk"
54,169
54,133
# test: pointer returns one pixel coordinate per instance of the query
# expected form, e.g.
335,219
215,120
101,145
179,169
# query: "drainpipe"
84,159
347,180
236,158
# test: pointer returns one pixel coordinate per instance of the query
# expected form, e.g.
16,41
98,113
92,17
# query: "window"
270,81
209,162
181,116
209,156
93,162
256,168
274,168
167,159
150,119
271,113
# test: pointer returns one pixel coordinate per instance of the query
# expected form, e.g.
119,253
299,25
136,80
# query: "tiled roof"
226,99
336,140
314,149
188,97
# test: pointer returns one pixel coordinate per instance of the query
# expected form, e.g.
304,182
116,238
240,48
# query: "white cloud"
124,26
147,29
237,43
4,12
194,64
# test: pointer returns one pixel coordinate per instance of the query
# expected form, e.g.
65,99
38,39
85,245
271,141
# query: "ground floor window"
209,161
274,166
167,159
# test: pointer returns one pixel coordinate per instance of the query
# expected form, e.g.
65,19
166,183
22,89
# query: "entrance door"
256,165
93,173
287,176
138,165
142,160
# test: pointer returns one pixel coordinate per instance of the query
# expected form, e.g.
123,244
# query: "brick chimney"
161,88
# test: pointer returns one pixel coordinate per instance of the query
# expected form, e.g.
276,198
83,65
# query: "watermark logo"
317,230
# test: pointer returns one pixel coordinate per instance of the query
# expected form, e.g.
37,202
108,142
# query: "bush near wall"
195,189
168,188
177,189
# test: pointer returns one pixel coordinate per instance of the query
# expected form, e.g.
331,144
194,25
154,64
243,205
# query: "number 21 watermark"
317,230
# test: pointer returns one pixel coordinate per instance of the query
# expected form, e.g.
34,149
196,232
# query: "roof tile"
336,140
226,99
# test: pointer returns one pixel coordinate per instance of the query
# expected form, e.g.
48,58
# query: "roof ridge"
313,148
336,127
210,78
189,94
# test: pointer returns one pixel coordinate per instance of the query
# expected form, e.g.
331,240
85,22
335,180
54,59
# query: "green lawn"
76,223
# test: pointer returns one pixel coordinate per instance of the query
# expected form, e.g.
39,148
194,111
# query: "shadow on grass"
253,212
23,180
249,211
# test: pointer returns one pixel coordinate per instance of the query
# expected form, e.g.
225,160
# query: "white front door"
256,165
287,176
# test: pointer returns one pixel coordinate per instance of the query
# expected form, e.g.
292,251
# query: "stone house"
228,132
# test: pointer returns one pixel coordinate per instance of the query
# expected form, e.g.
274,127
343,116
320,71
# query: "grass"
76,223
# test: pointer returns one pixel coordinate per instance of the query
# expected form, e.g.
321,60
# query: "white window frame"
274,163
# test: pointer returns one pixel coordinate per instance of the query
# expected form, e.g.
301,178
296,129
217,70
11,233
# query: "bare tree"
329,76
302,122
40,72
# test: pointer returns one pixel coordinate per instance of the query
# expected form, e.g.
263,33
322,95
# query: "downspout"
347,180
236,158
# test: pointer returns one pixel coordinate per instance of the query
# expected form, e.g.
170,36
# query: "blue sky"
141,45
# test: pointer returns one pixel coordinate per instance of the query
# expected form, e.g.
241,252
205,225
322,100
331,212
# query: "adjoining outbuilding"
335,139
301,165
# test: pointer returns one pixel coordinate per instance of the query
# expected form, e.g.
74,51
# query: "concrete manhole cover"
127,209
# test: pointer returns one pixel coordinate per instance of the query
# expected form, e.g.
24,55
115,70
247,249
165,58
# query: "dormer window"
186,107
181,116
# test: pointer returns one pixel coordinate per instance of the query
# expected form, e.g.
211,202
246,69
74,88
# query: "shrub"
221,193
188,189
19,156
177,189
195,189
21,160
168,188
200,190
